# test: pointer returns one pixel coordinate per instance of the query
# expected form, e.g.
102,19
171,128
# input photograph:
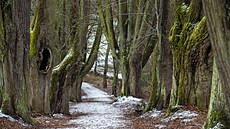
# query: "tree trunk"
138,47
16,46
153,98
217,112
124,46
217,13
165,52
192,57
115,83
1,53
41,58
162,64
67,76
132,41
106,68
1,78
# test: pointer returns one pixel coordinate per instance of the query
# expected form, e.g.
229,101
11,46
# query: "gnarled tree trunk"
67,75
16,46
192,57
217,111
41,54
217,13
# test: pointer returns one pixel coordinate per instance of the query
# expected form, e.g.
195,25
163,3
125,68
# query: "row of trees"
43,60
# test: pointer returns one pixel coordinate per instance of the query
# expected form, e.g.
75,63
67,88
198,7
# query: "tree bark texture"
192,57
16,63
217,111
132,41
68,74
138,46
41,54
218,19
106,67
162,58
1,53
115,84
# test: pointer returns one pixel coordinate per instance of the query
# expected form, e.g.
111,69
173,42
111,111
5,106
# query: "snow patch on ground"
20,121
129,103
59,115
181,115
6,116
152,114
155,113
129,99
187,120
160,126
218,126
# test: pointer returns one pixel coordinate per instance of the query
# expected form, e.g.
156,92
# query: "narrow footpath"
101,114
96,111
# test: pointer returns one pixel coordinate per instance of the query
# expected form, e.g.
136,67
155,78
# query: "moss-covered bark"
15,22
191,56
67,76
42,55
217,13
153,99
1,80
217,113
1,56
162,58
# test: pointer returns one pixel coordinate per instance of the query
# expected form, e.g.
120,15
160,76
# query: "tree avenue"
176,51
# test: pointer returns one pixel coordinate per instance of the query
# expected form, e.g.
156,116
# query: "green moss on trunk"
188,36
217,113
34,33
153,94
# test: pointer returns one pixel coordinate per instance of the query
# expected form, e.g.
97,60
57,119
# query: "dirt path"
100,112
95,112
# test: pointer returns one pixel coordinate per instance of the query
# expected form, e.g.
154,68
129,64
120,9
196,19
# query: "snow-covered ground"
130,104
152,114
129,99
94,93
186,116
20,121
98,115
218,126
99,112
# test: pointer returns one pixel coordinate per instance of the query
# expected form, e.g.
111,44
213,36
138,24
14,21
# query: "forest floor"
100,110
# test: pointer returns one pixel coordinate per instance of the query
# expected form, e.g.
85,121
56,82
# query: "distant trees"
67,76
132,44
